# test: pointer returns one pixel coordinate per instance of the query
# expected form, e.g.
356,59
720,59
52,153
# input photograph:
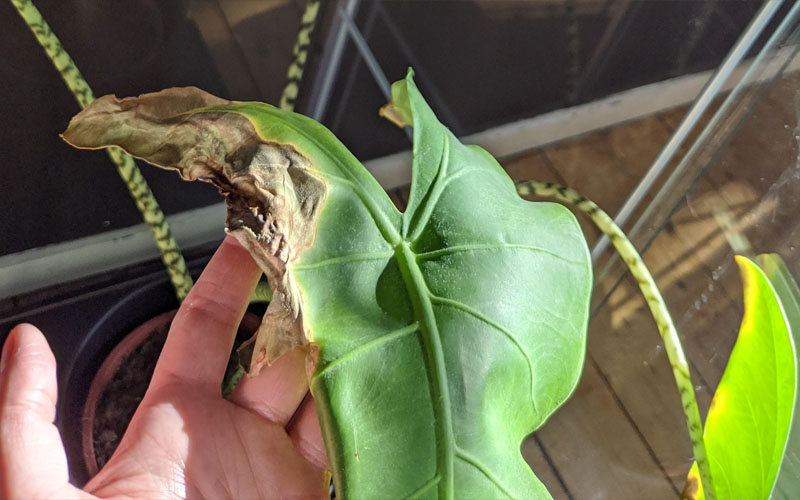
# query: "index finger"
201,336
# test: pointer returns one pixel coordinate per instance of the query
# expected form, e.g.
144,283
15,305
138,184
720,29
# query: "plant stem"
658,308
232,382
128,171
299,55
261,294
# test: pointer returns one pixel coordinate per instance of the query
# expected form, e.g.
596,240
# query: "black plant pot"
126,315
110,371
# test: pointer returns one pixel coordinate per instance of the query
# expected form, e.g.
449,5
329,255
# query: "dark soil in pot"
121,382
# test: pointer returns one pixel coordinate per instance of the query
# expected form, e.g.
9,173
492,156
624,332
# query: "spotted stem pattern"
128,171
658,308
299,55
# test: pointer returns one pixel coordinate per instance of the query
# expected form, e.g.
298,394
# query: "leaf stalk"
658,308
134,180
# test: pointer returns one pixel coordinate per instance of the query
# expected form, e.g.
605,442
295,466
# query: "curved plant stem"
669,335
262,294
299,55
230,384
130,173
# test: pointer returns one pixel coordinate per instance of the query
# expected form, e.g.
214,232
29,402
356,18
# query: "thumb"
33,463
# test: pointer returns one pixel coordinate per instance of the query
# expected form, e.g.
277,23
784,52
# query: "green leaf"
444,335
444,345
787,483
748,424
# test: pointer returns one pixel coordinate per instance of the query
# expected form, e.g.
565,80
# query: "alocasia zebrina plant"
441,336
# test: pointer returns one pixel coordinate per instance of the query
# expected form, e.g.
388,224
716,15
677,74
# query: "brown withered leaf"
271,196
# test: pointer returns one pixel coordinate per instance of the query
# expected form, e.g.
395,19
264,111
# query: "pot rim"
249,322
107,370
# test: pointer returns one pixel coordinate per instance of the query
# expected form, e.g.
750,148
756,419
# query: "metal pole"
708,93
372,63
367,55
330,62
343,110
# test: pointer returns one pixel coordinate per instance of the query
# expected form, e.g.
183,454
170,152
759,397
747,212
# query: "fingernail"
8,348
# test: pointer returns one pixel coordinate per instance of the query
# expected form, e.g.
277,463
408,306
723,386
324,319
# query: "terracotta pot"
120,408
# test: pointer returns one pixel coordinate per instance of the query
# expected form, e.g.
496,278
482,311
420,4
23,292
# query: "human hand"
184,440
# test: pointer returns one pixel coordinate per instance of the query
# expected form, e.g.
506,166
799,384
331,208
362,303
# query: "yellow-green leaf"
748,424
787,484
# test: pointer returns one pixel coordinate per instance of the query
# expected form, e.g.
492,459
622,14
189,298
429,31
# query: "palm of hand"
184,440
187,445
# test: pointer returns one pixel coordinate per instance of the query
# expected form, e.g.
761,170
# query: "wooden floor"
622,434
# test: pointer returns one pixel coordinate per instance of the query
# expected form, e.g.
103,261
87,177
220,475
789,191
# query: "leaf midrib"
422,301
440,396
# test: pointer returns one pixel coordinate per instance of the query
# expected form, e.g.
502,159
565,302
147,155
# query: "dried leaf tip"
272,197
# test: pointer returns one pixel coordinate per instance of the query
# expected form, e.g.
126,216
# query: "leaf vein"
437,189
497,326
425,487
344,259
461,173
388,231
492,246
388,337
473,461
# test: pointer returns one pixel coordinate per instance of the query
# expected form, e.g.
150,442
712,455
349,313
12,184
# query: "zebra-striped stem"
299,55
658,308
128,171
